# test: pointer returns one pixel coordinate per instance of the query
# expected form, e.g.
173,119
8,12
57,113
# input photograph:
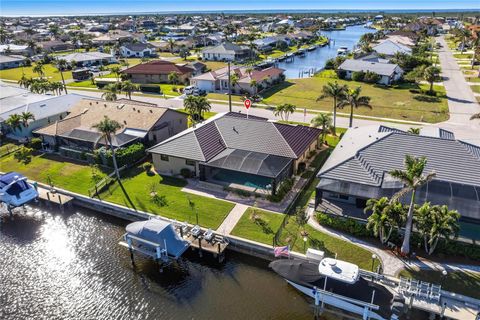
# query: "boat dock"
201,240
52,196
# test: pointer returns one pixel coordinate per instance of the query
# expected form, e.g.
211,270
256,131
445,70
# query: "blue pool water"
244,179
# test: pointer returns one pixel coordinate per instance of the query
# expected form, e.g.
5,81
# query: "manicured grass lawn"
463,56
214,65
7,147
389,102
475,88
65,174
82,84
262,230
221,96
168,89
462,282
333,140
51,73
211,212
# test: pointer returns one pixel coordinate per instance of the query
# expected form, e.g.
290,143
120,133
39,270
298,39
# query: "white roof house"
390,48
88,58
387,71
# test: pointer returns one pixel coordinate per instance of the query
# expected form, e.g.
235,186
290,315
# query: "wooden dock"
53,197
447,308
214,247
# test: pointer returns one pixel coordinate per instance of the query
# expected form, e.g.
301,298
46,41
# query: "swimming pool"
249,180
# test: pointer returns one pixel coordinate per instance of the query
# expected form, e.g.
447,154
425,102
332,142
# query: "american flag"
282,251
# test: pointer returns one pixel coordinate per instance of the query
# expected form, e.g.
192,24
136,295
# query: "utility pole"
229,90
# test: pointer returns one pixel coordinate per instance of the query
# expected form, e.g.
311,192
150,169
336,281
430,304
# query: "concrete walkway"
231,220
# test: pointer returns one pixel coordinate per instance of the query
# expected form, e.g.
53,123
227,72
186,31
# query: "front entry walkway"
231,220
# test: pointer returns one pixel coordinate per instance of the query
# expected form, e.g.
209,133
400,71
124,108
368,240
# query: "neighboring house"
390,48
55,45
233,150
114,36
358,169
45,109
217,81
141,122
226,52
270,43
15,49
137,50
88,58
12,61
388,72
157,72
403,40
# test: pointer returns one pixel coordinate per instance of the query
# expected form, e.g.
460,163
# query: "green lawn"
475,88
65,174
82,84
51,73
389,102
473,79
214,65
463,56
462,282
137,184
7,147
222,96
262,230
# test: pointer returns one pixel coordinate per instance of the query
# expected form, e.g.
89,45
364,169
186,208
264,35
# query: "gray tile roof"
383,69
366,163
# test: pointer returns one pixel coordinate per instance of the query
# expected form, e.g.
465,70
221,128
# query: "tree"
301,218
254,85
111,92
323,120
431,74
128,87
414,131
116,70
26,116
171,44
62,65
108,128
413,179
335,91
24,81
462,35
234,81
38,68
353,99
384,217
196,106
14,121
173,78
434,222
284,110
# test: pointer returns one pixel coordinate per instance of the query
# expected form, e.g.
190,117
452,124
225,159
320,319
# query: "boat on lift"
343,51
15,191
339,284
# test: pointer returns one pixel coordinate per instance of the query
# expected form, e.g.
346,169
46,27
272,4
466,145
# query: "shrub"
152,88
186,173
23,155
282,190
371,77
342,74
346,224
35,143
358,76
147,166
330,64
128,155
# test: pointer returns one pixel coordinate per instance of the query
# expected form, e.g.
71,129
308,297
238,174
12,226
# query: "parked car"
94,69
192,90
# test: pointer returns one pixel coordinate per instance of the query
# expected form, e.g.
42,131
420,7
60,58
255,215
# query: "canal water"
315,60
69,265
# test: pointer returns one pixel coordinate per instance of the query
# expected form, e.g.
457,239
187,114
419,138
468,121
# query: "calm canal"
315,60
69,266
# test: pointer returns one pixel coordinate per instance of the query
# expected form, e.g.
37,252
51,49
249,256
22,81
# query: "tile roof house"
146,123
232,149
390,48
157,71
358,169
137,50
11,61
88,58
388,72
227,52
217,81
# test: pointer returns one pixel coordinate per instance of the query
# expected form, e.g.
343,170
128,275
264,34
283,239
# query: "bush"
346,224
147,166
282,190
371,77
186,173
23,155
35,143
151,88
358,76
342,74
128,155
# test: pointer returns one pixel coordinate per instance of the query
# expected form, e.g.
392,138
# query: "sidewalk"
231,220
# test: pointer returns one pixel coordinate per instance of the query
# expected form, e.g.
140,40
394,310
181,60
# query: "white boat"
15,191
338,284
342,51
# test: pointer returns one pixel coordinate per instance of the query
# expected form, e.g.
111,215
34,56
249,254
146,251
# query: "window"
190,163
163,157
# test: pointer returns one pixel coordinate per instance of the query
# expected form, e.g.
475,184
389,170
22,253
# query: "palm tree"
14,121
254,85
26,116
462,35
116,70
173,78
353,99
335,91
434,222
38,68
111,92
323,120
384,217
62,64
284,110
171,44
108,128
128,87
476,48
414,131
234,81
203,105
413,179
431,74
24,81
190,105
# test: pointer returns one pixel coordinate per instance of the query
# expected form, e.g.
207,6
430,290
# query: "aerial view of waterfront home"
240,160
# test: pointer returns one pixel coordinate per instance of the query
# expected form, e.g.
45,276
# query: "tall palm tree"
234,81
190,105
413,179
173,78
414,131
38,68
26,116
111,92
284,110
353,99
108,127
171,44
116,70
431,74
62,64
384,217
24,81
462,35
254,85
323,120
128,87
14,121
435,222
335,91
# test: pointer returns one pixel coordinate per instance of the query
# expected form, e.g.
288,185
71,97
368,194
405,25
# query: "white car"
192,90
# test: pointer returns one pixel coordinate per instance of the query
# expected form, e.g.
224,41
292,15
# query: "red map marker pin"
247,103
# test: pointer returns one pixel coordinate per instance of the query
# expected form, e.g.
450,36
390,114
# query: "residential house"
141,122
227,52
388,72
55,46
157,71
88,58
269,43
236,151
15,49
389,48
358,169
137,50
11,61
217,81
115,36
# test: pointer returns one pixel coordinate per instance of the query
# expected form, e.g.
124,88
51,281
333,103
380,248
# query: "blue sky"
71,7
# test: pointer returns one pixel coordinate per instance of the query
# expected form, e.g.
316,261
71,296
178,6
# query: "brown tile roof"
88,112
157,67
